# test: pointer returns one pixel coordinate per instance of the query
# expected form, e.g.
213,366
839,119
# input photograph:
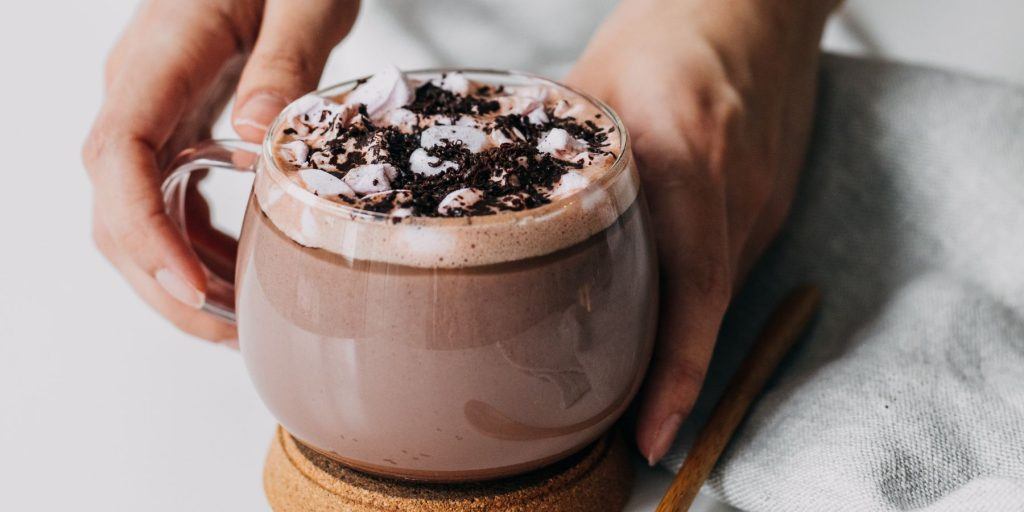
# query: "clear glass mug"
438,349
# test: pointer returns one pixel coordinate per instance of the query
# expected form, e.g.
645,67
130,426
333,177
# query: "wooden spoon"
776,339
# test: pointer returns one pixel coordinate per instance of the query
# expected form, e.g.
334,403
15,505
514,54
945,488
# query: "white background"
103,405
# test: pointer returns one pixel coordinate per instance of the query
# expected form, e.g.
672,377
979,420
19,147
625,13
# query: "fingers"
293,45
690,225
169,58
186,318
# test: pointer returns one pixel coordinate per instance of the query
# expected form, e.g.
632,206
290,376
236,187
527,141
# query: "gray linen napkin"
908,392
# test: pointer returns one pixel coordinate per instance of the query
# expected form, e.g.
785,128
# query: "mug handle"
220,154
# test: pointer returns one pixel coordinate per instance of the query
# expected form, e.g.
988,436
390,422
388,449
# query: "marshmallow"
385,91
537,116
325,184
403,119
301,129
322,160
526,101
559,143
472,138
467,121
460,199
453,82
498,138
425,165
537,93
310,108
295,152
564,108
568,184
370,178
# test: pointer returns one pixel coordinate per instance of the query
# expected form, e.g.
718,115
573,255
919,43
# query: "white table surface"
105,405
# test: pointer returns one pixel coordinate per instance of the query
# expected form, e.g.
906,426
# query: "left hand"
718,99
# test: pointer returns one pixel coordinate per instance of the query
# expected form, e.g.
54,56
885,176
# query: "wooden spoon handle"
776,339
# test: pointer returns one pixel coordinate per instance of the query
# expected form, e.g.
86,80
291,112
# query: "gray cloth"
908,392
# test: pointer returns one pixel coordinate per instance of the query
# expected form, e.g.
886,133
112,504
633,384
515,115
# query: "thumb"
294,42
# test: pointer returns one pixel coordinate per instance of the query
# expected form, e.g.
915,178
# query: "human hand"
167,80
718,99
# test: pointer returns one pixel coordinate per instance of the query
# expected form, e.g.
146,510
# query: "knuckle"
708,278
241,20
685,378
285,63
714,282
96,144
133,235
101,239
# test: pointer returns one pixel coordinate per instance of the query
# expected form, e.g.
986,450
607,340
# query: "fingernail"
259,111
663,438
179,288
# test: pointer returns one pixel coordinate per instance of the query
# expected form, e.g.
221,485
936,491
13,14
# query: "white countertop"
105,405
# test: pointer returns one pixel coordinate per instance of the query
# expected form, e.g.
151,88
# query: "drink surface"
505,167
445,146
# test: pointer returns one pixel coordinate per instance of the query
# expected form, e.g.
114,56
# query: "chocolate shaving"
432,100
513,176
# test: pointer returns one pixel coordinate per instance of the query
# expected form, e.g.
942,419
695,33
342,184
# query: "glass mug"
435,348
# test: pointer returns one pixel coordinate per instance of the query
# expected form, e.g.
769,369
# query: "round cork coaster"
296,478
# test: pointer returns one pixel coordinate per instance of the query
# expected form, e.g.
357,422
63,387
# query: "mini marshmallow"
537,116
325,184
453,82
295,152
370,178
301,128
569,183
322,159
403,119
385,91
534,92
460,199
498,138
559,143
472,138
467,121
564,108
425,165
312,107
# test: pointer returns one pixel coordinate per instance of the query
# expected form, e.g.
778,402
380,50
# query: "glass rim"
296,191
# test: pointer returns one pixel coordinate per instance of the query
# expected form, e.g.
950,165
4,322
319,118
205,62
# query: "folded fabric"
908,391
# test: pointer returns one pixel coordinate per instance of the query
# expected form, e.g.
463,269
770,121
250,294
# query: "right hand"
167,80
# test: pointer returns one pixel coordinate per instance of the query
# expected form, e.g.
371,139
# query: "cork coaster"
298,479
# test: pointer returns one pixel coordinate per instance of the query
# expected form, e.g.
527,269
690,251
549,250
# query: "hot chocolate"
446,276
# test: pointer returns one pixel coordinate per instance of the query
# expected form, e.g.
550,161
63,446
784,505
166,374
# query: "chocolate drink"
442,324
